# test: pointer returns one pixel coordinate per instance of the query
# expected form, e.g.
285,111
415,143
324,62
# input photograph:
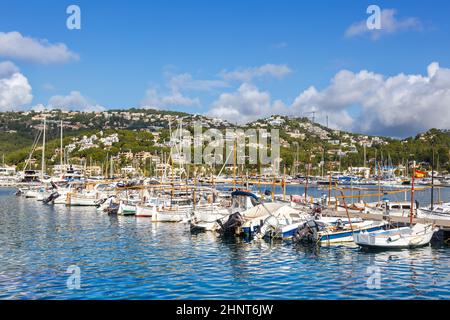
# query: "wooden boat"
441,210
126,209
174,210
398,238
204,218
325,233
176,214
145,210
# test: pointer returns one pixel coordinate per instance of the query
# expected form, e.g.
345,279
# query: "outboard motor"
51,197
112,209
270,224
234,220
339,224
308,233
99,202
317,208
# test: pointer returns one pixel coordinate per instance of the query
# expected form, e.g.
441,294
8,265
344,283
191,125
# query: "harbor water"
131,258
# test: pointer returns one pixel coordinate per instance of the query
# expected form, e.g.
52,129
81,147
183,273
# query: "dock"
442,224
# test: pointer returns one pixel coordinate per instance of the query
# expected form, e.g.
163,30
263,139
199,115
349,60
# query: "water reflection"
133,258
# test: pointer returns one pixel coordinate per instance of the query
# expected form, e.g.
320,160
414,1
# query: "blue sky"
131,53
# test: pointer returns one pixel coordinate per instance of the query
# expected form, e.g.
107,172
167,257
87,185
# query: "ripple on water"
129,258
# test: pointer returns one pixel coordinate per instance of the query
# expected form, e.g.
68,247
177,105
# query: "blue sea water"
131,258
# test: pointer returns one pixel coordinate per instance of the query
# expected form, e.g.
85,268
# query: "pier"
442,224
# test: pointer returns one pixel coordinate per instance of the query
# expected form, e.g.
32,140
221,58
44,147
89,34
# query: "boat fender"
394,238
416,240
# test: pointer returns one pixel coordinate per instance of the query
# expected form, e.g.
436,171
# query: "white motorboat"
390,208
145,210
397,238
334,230
174,210
34,193
150,206
126,209
204,218
174,214
221,218
441,210
82,200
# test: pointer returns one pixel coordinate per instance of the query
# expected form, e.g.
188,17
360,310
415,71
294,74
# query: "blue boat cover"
244,193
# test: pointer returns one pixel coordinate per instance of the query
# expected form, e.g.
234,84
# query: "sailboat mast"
412,193
432,182
234,164
61,148
43,151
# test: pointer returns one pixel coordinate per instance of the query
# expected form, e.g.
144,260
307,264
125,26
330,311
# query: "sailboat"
411,236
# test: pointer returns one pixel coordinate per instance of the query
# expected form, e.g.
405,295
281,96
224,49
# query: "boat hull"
143,211
126,210
400,238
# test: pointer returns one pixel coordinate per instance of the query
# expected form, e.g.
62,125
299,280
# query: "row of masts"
378,167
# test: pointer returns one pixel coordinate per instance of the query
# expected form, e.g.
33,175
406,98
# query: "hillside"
88,136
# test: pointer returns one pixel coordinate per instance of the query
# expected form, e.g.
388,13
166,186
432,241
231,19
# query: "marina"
135,235
219,154
124,257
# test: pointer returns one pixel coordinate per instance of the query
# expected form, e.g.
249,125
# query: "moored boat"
397,238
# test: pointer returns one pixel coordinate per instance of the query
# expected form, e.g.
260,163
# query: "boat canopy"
245,194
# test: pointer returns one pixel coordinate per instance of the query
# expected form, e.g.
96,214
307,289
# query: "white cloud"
185,81
14,45
389,25
247,74
39,107
7,68
174,95
73,101
175,98
368,102
244,105
15,91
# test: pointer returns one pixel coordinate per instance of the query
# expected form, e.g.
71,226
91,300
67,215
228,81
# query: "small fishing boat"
414,235
126,209
328,233
145,211
147,208
397,238
176,214
390,208
82,200
34,193
176,210
205,218
442,210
